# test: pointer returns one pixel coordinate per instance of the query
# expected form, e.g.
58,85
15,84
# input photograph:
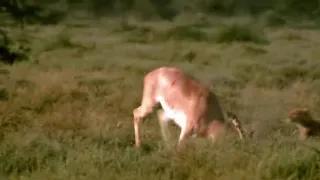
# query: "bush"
14,50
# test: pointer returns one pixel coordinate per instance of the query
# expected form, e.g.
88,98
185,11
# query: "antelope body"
186,101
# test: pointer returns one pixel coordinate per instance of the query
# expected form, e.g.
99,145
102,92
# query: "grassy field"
67,114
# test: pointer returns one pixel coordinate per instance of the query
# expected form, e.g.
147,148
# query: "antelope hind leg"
163,122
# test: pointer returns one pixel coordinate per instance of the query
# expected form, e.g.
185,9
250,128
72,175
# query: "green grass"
67,113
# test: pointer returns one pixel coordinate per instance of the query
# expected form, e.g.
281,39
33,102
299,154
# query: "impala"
186,101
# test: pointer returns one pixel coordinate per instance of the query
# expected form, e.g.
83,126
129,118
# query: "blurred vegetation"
168,9
271,13
66,110
49,11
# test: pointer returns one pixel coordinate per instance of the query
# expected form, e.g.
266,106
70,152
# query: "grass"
67,113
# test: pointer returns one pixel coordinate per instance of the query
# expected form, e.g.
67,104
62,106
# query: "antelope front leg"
136,122
163,121
138,114
137,131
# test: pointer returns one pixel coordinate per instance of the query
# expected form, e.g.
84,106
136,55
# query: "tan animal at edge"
306,125
186,101
233,118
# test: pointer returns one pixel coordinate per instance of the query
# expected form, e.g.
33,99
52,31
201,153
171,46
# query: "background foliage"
71,73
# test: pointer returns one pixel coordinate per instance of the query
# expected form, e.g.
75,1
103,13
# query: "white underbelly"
177,116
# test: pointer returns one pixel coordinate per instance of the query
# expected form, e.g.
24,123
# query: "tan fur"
306,125
236,123
182,93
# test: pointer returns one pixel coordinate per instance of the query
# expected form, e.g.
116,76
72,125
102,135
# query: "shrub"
14,49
